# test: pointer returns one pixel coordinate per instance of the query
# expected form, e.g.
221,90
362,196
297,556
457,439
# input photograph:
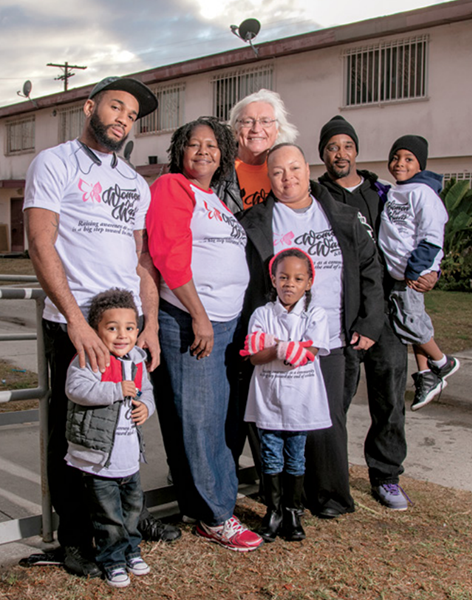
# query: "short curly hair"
224,138
113,298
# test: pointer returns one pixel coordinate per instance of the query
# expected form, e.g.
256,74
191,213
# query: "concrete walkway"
439,437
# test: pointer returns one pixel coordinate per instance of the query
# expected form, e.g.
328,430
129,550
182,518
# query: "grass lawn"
424,553
451,313
372,554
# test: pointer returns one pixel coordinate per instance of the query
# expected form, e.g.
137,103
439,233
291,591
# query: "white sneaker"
137,566
117,577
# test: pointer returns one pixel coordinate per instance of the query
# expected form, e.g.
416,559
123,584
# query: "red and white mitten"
257,341
295,353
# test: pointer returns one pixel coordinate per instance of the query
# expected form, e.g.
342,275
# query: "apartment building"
405,73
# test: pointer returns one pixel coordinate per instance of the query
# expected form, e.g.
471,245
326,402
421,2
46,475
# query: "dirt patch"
13,378
373,554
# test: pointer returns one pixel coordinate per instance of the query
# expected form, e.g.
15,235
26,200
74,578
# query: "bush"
456,267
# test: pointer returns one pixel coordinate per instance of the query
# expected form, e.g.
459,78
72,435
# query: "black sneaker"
154,530
427,386
77,562
452,365
49,557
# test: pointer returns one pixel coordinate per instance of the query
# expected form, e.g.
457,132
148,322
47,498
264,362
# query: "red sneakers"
232,535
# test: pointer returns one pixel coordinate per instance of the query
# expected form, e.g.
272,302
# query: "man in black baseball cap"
85,212
146,99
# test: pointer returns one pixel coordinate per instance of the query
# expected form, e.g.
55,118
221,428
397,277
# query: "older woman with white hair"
259,121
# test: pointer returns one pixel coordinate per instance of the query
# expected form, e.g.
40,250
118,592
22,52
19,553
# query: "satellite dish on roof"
247,31
127,153
27,87
128,149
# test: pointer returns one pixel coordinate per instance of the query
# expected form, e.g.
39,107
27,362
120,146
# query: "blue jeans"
115,506
192,402
283,451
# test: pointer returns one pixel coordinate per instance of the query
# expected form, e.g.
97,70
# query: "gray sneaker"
391,495
452,365
427,386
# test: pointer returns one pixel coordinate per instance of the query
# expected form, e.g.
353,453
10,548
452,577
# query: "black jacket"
363,296
229,192
369,198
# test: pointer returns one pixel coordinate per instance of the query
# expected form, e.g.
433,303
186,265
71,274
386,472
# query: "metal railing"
45,523
21,528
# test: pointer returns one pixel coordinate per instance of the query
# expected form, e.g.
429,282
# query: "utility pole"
66,72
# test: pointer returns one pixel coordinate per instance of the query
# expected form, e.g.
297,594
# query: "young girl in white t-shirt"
287,396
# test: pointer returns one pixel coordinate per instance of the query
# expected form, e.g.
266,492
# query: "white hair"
286,132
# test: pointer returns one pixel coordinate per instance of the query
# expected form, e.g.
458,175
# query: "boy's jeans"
283,451
115,506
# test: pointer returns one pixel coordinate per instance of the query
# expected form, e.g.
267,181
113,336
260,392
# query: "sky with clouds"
118,37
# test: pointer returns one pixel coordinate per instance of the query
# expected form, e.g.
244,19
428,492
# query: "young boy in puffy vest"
411,237
104,417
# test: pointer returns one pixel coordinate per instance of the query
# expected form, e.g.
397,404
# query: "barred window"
387,72
20,136
230,88
170,112
465,175
71,123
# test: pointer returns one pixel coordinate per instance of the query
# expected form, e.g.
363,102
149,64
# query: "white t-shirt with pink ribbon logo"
193,235
311,231
100,207
282,397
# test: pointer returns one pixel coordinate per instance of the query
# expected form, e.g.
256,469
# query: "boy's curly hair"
113,298
224,137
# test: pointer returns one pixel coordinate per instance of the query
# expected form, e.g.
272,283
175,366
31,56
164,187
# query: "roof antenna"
247,31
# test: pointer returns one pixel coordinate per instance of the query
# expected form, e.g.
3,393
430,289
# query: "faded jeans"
283,451
192,403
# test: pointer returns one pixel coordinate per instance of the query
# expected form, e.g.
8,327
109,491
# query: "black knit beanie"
415,144
336,126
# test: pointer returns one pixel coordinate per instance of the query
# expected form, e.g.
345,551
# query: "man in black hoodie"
386,362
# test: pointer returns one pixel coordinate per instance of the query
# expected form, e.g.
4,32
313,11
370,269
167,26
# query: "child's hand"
140,413
256,342
295,353
129,389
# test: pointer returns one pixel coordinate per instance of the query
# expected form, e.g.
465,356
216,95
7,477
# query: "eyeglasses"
249,122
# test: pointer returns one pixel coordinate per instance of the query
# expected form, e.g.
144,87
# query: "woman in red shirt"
198,248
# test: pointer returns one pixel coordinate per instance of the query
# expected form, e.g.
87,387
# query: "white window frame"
169,114
20,136
71,123
232,86
459,176
386,72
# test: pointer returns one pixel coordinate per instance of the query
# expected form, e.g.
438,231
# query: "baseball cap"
146,99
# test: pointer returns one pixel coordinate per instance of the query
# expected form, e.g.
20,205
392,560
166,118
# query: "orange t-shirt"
253,182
